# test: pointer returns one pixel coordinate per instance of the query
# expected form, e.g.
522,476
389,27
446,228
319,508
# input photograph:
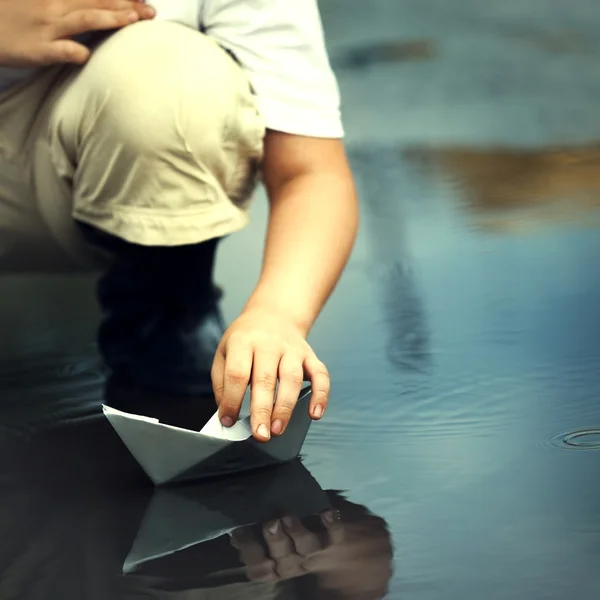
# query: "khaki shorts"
157,140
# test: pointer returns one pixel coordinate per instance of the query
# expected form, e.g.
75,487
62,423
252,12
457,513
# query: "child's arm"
312,226
313,216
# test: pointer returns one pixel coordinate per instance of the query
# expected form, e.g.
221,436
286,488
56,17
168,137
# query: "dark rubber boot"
161,320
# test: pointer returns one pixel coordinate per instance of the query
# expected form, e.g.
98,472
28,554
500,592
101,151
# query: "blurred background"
464,338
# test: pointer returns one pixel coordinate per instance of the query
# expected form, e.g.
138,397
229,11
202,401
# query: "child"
138,151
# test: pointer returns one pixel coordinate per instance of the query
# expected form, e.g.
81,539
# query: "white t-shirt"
280,44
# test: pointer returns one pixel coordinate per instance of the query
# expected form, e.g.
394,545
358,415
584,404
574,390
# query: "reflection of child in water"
344,554
356,563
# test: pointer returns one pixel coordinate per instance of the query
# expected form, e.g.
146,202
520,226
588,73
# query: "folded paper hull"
170,454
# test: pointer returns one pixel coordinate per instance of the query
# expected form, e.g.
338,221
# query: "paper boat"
179,518
171,454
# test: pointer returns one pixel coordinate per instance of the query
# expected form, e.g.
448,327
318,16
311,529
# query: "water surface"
463,342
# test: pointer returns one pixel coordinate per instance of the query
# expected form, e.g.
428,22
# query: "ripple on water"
576,439
450,403
443,409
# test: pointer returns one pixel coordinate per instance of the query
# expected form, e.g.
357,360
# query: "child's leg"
158,136
37,232
157,141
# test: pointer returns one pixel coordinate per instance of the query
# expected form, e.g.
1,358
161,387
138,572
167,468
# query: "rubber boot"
161,321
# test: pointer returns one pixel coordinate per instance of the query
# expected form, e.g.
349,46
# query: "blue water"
463,343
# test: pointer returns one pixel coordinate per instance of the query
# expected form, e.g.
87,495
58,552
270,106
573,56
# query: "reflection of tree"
361,57
408,342
505,188
385,192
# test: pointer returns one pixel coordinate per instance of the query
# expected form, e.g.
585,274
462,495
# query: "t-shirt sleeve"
281,46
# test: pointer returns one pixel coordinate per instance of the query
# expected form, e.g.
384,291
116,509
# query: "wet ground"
458,459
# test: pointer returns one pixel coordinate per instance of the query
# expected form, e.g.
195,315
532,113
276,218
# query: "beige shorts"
157,140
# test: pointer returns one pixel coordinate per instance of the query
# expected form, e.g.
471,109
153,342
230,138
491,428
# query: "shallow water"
460,456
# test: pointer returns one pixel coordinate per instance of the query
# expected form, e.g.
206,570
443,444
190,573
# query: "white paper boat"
171,454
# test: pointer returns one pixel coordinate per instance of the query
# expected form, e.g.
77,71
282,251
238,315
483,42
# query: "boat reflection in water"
80,520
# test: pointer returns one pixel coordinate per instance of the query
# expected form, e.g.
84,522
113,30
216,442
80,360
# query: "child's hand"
37,32
259,348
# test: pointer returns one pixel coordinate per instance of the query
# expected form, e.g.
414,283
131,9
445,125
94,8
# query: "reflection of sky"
492,76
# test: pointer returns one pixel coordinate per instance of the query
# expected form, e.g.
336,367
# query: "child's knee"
160,87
